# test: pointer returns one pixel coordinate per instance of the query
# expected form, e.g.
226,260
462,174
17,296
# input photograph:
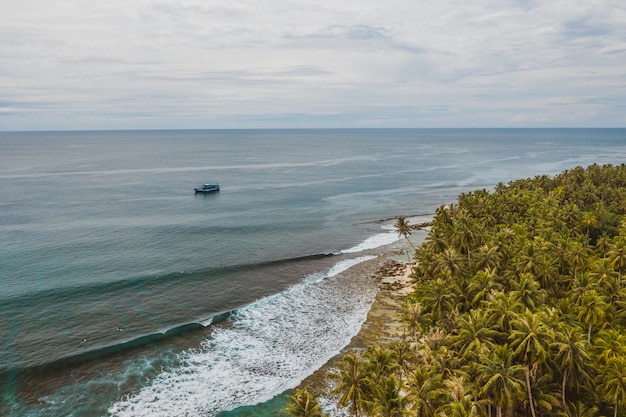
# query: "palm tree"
502,310
436,298
381,362
462,403
473,335
304,404
412,316
424,389
404,229
617,254
466,233
591,310
530,340
483,284
527,292
487,256
603,243
581,410
499,378
388,399
530,260
609,343
577,255
449,263
464,408
589,222
354,386
571,357
613,382
404,356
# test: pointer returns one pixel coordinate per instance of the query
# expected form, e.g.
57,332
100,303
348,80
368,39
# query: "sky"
208,64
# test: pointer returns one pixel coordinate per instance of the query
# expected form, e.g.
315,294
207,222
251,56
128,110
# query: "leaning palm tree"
404,229
304,404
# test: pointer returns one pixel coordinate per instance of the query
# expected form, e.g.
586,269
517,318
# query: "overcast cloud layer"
116,64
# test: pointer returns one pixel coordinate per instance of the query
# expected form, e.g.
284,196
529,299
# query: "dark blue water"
123,292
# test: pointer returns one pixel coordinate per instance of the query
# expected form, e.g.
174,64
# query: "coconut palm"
483,284
577,255
613,382
461,402
404,356
412,314
467,235
464,408
499,377
380,362
304,404
472,335
502,310
589,222
579,409
388,398
530,340
571,358
529,260
404,229
527,292
591,310
353,384
436,298
424,390
608,344
617,254
449,263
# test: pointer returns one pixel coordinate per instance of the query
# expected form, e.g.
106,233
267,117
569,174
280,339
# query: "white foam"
346,264
373,242
271,346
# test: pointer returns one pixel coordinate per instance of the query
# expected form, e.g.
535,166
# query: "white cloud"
273,63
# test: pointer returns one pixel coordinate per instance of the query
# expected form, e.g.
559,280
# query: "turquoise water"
124,293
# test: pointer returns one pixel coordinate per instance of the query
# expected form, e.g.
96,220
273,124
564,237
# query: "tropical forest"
519,309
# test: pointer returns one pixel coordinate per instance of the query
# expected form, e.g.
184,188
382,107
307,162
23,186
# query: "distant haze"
153,64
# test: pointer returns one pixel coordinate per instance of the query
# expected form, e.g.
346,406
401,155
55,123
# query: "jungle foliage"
519,308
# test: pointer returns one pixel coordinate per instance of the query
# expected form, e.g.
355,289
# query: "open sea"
123,293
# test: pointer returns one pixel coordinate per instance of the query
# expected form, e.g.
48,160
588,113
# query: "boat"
207,188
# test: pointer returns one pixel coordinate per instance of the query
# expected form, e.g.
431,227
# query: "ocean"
124,293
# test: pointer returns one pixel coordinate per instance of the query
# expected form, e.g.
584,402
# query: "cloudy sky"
118,64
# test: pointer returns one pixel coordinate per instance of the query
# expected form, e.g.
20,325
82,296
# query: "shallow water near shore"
124,293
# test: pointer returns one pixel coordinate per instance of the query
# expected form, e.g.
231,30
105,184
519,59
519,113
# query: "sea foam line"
271,346
373,242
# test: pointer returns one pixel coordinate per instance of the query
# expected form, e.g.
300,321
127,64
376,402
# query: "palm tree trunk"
563,386
530,394
615,412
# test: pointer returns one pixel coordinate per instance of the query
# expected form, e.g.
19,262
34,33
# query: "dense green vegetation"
520,308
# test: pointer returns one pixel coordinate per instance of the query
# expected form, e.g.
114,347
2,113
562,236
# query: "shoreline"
383,322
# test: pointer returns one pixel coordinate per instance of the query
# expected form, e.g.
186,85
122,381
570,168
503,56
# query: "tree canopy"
519,308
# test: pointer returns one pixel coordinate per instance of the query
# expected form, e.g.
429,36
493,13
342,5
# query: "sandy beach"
393,272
